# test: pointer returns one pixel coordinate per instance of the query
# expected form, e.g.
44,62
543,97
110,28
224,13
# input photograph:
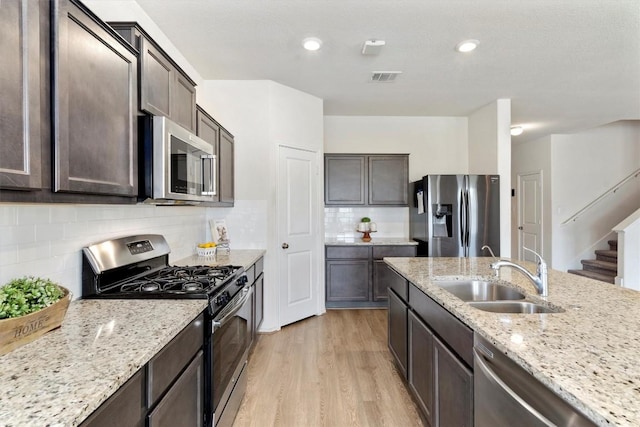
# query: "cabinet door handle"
285,246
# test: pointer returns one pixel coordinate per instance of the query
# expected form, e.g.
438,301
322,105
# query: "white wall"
46,239
490,153
530,157
436,145
584,166
262,115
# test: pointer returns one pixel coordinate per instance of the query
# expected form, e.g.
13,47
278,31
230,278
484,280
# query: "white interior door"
298,230
530,215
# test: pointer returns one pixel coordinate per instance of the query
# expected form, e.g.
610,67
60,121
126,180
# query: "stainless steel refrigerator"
455,215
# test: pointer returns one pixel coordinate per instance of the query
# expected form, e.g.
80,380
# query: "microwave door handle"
211,179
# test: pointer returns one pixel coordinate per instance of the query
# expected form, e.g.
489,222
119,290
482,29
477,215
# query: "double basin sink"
493,297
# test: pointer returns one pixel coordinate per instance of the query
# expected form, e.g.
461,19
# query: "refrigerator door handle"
462,212
467,231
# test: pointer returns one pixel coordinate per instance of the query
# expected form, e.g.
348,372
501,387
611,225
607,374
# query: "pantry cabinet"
366,179
165,89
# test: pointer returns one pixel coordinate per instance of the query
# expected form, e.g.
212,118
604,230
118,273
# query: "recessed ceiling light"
312,43
516,130
467,45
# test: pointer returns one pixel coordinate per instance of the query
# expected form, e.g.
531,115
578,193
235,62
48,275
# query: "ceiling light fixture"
516,130
312,43
467,45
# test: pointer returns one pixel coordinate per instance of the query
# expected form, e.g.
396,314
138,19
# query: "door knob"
285,246
520,228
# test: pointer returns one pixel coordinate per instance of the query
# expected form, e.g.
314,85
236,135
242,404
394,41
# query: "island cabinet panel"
20,80
383,275
421,363
94,104
439,368
454,385
366,179
397,325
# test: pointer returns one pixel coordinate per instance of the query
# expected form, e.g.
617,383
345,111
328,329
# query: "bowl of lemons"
207,249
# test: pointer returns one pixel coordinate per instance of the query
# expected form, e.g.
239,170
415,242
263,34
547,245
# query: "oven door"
230,343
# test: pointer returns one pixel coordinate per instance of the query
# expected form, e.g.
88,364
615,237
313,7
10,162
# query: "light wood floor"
330,370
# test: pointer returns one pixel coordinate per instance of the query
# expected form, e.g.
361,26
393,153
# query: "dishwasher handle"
485,369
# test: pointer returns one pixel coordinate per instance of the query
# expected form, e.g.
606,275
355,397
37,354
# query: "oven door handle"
218,323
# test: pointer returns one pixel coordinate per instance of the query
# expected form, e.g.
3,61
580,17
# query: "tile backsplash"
341,222
46,240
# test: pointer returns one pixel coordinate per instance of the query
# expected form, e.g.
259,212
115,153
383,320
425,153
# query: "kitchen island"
587,354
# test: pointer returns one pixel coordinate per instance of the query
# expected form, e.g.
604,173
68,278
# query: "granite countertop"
243,257
374,241
62,377
588,354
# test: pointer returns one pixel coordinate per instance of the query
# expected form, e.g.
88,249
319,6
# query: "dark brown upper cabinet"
94,92
366,179
20,133
165,89
223,143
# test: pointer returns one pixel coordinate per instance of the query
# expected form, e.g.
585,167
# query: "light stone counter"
241,257
62,377
590,354
374,241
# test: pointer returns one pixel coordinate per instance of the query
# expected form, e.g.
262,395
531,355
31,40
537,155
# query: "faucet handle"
541,262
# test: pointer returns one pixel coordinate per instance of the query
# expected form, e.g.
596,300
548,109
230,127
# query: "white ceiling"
567,65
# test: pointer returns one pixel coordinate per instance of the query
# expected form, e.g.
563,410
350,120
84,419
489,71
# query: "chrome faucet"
539,280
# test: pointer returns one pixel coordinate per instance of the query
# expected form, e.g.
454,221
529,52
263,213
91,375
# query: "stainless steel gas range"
137,267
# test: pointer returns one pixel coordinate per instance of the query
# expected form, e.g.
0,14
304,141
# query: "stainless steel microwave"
178,166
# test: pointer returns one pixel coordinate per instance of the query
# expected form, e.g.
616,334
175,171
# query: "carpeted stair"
604,267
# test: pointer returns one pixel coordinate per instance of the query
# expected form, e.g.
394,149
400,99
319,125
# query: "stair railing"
629,252
610,191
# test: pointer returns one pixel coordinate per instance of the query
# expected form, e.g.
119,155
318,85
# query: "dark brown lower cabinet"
182,405
126,407
166,392
347,280
398,331
421,364
439,373
454,388
356,276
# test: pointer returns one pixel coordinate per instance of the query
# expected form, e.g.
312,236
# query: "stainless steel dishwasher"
507,395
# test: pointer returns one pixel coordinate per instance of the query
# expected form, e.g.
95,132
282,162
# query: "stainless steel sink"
479,290
524,307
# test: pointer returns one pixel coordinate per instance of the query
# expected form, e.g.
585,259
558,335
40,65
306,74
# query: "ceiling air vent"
384,76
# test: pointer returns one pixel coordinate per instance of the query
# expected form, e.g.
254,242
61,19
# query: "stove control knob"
242,280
